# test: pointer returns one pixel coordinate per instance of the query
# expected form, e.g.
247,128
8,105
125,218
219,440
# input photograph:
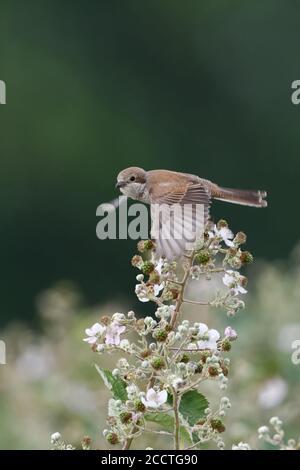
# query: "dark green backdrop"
95,86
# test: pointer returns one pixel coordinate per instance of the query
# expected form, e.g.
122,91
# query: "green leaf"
167,422
115,384
163,419
192,406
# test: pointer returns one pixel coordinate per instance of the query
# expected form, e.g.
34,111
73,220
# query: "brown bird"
166,188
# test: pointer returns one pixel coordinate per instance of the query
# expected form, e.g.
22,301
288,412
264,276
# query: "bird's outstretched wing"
179,214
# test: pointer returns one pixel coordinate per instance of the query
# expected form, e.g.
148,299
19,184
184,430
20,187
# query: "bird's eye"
132,178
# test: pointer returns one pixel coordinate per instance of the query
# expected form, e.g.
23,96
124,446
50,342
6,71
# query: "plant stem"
176,420
195,302
179,300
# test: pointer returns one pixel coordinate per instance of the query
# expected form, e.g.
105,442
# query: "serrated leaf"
192,406
167,421
163,419
115,384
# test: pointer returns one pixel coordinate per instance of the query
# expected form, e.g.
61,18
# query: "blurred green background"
92,87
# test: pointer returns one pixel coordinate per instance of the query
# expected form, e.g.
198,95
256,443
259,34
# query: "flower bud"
246,257
55,437
86,442
137,261
140,277
145,245
222,224
263,430
230,333
240,238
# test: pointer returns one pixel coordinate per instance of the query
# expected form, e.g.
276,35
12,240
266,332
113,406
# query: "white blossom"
241,446
155,399
55,437
208,337
233,279
225,234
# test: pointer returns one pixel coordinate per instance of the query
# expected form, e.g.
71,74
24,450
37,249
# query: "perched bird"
167,188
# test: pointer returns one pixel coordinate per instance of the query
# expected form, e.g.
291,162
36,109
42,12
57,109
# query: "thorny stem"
176,401
179,300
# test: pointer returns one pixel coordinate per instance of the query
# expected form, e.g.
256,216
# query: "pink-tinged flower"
208,337
94,333
113,332
230,333
155,399
226,234
233,279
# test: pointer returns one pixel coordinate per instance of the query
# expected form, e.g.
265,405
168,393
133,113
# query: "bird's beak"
120,184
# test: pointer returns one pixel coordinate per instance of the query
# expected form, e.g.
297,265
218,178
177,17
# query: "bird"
166,188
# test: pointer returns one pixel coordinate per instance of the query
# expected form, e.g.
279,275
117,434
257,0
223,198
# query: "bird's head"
132,182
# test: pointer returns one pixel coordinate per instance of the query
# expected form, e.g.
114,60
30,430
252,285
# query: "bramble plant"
156,384
159,379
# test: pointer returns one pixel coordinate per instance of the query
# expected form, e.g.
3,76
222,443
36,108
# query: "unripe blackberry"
125,417
199,369
246,257
147,267
202,257
213,371
112,438
184,358
217,425
226,345
224,370
158,363
160,335
204,355
139,406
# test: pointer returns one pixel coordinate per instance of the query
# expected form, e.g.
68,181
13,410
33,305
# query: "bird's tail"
244,197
